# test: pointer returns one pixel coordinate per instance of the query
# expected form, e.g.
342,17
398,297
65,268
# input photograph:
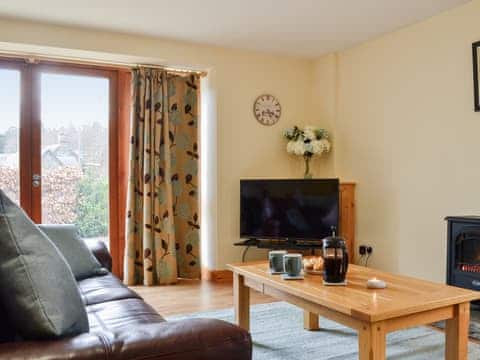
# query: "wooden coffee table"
406,302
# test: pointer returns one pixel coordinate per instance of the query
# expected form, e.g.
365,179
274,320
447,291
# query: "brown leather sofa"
123,326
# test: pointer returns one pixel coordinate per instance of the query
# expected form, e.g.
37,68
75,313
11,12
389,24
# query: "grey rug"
277,333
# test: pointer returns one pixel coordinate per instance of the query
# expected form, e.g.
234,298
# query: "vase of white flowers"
308,142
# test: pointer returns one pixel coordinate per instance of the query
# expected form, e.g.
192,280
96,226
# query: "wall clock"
267,109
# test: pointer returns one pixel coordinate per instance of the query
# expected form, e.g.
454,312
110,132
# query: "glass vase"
307,174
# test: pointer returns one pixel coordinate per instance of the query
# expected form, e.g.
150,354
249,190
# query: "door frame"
118,140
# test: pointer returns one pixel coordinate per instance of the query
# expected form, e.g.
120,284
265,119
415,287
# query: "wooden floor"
189,296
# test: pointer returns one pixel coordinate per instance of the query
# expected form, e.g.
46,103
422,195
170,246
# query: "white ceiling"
304,28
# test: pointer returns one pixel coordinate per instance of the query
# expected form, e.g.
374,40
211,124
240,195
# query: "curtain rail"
36,58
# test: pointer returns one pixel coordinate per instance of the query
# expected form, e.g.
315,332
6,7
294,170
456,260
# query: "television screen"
288,209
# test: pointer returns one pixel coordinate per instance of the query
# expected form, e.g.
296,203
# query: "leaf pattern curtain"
162,242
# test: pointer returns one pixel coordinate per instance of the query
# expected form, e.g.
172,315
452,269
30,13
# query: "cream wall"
399,108
406,131
243,147
323,99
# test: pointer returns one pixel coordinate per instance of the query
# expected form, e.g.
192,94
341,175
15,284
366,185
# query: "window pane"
9,133
75,113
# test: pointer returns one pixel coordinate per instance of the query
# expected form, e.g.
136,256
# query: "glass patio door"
57,126
74,154
64,136
10,84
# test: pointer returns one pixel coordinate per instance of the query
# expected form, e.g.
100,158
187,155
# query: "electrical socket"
365,249
362,249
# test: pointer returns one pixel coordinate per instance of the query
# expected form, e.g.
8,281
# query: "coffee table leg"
371,341
241,299
310,320
456,333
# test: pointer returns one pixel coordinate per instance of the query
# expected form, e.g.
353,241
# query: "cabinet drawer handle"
476,283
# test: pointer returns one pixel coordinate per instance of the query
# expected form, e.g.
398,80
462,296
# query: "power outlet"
362,249
369,250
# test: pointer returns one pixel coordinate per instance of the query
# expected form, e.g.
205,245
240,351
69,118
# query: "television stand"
273,244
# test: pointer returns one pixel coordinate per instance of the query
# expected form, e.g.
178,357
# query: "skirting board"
217,275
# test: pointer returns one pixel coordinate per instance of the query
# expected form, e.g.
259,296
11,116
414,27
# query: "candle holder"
376,284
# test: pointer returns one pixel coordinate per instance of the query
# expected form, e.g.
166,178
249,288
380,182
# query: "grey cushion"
37,287
78,256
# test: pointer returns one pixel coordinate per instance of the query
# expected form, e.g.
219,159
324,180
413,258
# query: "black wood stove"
463,251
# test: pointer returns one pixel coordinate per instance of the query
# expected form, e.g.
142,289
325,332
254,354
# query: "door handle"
36,178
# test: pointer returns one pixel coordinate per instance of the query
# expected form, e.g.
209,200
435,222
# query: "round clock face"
267,109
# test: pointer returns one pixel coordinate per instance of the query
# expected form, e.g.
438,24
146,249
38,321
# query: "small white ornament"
376,284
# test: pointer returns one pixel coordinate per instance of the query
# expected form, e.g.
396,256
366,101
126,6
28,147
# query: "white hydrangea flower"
311,140
291,147
317,147
309,133
299,148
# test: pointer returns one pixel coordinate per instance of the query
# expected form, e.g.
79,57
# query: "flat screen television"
289,209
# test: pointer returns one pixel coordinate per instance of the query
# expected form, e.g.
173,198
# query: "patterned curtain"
163,224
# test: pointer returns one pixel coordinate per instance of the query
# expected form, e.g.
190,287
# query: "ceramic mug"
275,258
293,264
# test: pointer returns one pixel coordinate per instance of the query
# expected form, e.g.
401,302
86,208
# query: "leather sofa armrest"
199,339
100,251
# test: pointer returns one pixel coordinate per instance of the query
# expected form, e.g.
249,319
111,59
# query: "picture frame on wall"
476,73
